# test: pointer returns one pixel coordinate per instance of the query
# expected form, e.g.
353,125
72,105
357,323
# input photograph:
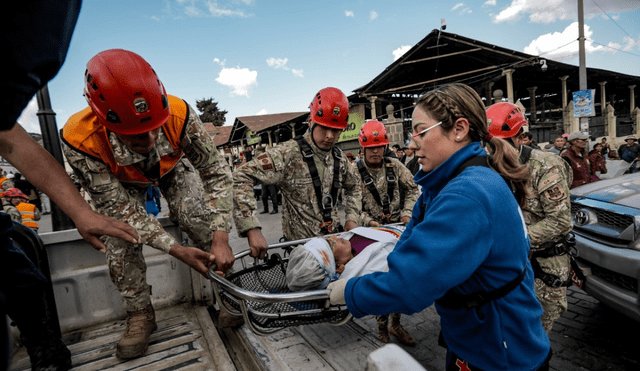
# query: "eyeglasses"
413,137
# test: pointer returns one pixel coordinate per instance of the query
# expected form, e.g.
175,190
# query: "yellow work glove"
336,297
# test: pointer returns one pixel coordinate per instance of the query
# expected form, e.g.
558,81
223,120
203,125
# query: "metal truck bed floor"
310,348
186,339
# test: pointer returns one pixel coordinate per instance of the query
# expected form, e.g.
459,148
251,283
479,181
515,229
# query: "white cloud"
349,13
549,11
373,15
217,11
262,112
630,44
278,63
463,9
564,45
281,63
240,80
29,118
489,3
400,52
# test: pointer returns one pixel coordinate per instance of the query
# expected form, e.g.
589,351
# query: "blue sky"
257,56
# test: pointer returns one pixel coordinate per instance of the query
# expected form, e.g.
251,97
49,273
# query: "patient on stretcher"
357,252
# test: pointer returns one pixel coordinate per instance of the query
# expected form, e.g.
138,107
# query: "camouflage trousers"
552,299
184,192
383,321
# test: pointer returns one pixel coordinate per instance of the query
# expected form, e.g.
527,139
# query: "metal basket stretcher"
259,293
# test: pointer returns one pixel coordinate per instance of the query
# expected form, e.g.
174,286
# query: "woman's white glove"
336,297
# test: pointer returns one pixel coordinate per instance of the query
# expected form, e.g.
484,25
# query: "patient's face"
341,248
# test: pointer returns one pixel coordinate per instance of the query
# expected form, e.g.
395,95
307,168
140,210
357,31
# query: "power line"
616,49
613,20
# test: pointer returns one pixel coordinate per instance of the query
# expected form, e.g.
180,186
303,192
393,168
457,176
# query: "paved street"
589,336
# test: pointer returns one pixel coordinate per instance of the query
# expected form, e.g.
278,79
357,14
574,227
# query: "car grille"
616,279
606,218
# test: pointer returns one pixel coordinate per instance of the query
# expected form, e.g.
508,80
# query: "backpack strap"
386,198
326,202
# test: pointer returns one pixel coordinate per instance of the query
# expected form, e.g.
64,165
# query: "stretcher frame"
265,312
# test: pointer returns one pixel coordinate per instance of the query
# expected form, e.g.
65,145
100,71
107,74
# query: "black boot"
47,354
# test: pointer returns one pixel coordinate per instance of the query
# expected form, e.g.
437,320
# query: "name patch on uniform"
547,182
265,161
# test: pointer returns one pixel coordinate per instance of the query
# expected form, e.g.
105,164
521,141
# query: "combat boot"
398,331
135,341
383,329
226,319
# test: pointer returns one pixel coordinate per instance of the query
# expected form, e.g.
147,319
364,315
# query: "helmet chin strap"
311,127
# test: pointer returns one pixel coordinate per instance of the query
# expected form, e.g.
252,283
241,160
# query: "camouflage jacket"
372,210
111,197
547,211
6,184
284,166
13,212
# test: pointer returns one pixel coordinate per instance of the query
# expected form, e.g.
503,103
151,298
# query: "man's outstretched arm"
46,174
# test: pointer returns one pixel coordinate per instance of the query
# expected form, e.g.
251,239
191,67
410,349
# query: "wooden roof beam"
489,49
441,78
442,56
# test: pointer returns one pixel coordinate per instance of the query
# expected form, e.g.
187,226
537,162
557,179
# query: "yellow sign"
353,129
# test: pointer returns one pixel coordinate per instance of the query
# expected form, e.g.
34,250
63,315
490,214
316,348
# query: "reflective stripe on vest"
28,213
84,133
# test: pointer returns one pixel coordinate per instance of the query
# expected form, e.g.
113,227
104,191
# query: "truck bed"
186,339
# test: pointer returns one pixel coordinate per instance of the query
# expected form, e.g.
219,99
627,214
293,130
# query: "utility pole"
582,74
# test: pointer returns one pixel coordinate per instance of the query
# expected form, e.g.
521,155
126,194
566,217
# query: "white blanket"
374,257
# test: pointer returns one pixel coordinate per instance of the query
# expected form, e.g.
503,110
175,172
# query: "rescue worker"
132,135
309,171
11,198
388,196
547,211
28,212
5,183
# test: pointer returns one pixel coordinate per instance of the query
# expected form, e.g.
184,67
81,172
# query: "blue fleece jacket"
473,237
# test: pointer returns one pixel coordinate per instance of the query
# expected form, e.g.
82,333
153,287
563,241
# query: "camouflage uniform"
13,212
284,166
371,209
6,184
197,190
547,213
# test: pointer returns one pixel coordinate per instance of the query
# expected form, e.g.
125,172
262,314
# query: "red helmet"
125,93
506,119
14,192
373,134
330,108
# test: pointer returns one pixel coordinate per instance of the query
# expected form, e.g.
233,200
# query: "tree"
210,112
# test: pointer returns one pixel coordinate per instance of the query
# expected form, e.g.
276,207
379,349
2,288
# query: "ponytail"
505,161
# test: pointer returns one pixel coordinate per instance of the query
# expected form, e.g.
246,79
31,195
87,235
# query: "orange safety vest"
28,212
84,133
3,179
